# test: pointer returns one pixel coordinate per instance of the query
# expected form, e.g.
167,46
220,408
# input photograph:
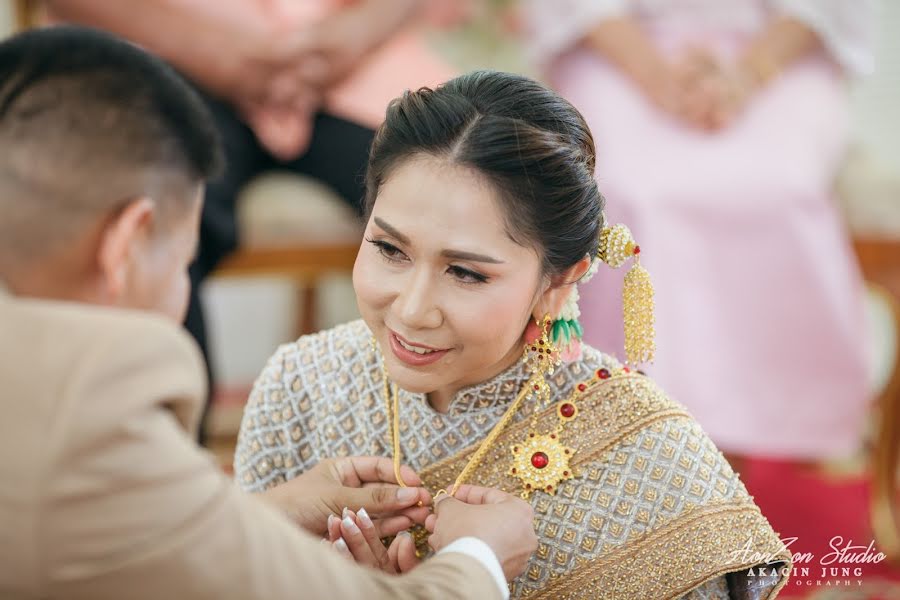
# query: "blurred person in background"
720,127
297,86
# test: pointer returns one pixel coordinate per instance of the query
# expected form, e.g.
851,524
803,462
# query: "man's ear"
118,240
554,297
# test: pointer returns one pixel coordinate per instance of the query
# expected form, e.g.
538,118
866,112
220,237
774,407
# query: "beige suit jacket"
103,493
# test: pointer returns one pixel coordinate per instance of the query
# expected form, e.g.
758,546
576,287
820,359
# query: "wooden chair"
27,13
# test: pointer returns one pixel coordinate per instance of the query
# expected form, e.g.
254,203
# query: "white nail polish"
345,513
364,516
350,526
341,545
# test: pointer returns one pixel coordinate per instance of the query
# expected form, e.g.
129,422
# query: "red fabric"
805,503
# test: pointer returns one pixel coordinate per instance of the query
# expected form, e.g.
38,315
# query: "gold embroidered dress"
652,510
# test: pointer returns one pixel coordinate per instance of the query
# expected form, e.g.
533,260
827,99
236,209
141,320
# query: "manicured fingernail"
341,546
350,526
345,513
331,519
364,518
407,494
404,534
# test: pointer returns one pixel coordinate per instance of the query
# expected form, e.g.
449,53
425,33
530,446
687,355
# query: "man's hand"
502,521
355,482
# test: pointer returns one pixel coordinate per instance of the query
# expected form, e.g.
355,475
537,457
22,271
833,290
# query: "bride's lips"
411,358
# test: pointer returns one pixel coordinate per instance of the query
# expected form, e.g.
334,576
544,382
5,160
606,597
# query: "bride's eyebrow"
463,255
457,254
391,230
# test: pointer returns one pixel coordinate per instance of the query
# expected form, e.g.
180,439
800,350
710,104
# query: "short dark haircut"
89,122
530,143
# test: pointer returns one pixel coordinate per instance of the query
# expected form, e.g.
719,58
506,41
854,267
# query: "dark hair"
140,96
533,145
89,122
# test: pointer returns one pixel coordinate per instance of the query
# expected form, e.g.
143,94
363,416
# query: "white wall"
6,18
876,99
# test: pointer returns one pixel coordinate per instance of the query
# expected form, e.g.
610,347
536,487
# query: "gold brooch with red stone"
541,461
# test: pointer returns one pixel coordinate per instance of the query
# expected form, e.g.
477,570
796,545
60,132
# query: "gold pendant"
541,462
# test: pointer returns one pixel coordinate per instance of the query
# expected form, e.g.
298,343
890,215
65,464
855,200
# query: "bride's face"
446,292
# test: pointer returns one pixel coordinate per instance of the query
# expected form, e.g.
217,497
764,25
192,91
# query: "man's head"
104,152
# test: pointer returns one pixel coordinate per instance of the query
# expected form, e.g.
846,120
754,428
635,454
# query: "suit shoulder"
115,362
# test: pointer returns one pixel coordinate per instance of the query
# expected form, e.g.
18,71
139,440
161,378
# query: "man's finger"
374,469
425,499
443,503
473,494
389,526
416,514
379,500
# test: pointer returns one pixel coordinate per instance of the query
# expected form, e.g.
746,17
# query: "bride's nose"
415,304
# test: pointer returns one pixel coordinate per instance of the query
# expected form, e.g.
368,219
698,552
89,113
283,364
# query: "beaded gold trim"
609,411
675,558
649,563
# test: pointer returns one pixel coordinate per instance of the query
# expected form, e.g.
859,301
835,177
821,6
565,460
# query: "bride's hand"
355,482
355,537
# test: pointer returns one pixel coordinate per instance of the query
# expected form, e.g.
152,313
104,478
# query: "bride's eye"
388,251
466,276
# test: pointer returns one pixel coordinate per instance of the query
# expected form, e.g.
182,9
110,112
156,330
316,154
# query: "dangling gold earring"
541,358
616,247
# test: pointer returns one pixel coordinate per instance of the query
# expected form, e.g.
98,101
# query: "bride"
483,215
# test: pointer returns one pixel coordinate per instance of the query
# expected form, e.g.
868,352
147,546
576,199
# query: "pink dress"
759,313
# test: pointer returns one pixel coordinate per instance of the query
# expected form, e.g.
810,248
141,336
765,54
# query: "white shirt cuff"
481,552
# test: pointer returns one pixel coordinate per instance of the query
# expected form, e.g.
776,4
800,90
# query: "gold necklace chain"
473,463
393,412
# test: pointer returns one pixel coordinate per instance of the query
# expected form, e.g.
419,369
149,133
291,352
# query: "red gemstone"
565,473
536,387
603,373
626,369
552,436
567,410
514,470
539,460
637,249
549,488
582,387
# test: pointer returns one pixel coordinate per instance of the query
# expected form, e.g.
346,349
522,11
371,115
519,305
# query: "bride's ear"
554,297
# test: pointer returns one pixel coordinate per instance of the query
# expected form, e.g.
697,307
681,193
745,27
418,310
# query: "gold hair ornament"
617,246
